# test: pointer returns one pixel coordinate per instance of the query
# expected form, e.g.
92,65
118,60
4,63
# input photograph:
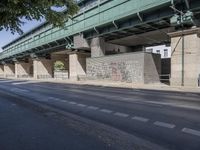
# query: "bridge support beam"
77,66
1,71
9,70
185,62
100,48
24,69
42,68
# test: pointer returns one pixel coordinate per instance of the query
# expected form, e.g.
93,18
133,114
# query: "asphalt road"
170,120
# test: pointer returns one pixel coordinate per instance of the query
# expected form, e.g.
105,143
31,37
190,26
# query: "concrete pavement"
165,118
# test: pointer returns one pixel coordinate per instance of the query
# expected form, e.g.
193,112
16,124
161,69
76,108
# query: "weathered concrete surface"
9,70
99,48
191,62
1,71
42,68
152,68
136,67
24,69
77,66
80,42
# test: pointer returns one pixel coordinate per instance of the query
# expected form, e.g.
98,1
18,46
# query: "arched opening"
60,70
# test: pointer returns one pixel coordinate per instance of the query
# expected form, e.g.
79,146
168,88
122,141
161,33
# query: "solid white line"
191,131
81,105
164,124
19,90
142,119
93,107
73,103
106,111
121,114
25,82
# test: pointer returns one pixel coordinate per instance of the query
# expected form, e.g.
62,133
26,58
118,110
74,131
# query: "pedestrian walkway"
153,86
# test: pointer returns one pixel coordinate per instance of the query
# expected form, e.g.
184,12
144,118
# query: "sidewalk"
153,86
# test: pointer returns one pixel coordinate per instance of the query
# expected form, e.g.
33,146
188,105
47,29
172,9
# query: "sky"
7,36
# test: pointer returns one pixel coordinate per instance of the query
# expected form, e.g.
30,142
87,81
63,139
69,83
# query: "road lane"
24,129
112,102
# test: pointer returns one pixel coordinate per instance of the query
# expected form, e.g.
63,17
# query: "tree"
59,65
13,11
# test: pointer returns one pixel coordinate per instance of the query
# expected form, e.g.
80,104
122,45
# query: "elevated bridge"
102,27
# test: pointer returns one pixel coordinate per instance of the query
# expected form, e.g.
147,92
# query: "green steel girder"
101,20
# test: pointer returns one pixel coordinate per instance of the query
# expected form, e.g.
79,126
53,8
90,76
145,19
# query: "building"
163,50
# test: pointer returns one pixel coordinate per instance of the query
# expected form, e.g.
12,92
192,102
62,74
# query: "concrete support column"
42,68
100,48
23,69
97,47
77,66
185,62
9,70
1,71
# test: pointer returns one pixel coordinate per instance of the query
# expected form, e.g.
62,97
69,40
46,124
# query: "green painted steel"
98,15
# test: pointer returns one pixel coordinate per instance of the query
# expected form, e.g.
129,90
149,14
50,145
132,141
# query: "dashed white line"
142,119
121,114
191,131
64,101
106,111
164,124
93,107
73,103
81,105
51,98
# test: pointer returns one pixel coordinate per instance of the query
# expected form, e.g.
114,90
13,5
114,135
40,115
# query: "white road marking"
51,97
142,119
164,124
81,105
106,111
191,131
25,82
73,103
64,101
121,114
19,90
93,107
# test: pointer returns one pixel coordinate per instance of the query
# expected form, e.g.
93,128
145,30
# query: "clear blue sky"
7,36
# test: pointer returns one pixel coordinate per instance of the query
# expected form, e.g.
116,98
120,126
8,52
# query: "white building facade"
163,50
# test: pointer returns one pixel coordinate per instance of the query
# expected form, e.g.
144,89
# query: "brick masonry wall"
122,67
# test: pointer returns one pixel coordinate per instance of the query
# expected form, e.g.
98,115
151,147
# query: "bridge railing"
98,15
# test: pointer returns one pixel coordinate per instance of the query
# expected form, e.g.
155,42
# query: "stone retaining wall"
127,67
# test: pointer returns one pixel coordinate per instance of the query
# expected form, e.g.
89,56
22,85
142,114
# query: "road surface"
117,118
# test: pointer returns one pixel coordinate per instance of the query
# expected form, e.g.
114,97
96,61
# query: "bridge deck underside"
112,20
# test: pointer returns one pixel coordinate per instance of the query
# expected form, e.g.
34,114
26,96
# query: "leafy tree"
59,65
13,11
